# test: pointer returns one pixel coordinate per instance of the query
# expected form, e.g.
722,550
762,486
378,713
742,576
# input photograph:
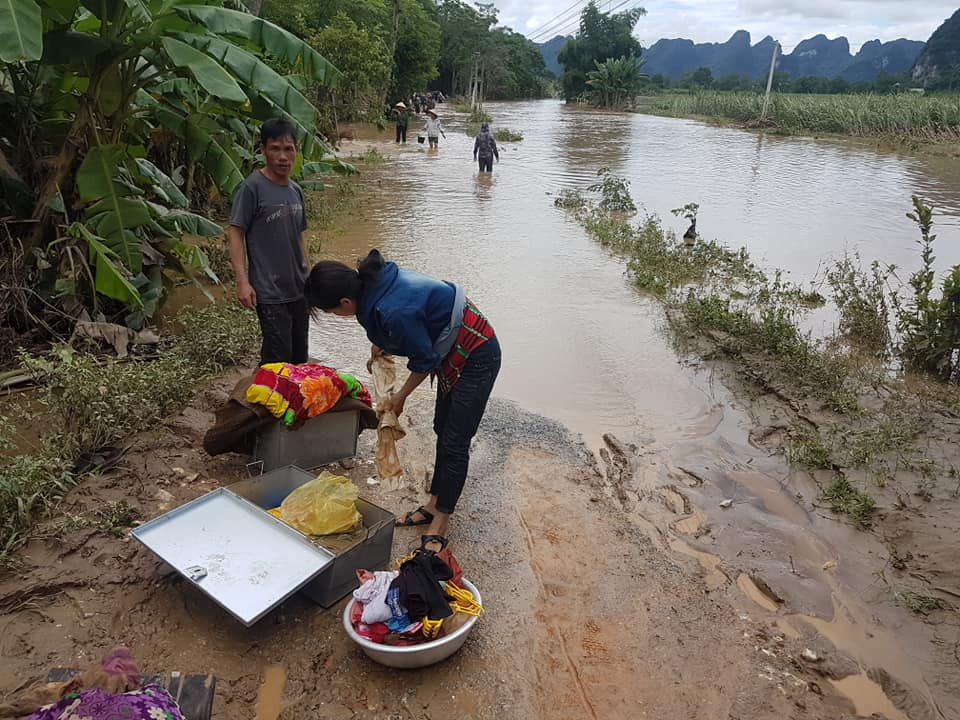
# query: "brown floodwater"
580,345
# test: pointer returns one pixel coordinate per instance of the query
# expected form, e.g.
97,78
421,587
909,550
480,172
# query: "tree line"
125,125
388,50
702,79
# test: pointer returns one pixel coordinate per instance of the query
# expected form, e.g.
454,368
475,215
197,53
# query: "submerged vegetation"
716,298
929,118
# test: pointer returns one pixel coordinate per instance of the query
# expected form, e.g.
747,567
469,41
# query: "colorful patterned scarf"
474,332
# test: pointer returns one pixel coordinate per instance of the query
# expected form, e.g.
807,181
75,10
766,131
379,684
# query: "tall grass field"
935,117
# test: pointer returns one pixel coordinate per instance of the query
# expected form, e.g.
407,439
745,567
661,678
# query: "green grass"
808,450
371,157
93,401
933,117
30,485
847,500
507,135
918,602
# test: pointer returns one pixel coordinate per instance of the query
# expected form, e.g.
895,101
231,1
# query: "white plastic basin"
413,656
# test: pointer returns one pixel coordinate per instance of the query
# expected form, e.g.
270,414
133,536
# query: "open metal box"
227,545
370,551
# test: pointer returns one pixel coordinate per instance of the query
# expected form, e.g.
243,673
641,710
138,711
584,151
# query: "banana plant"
103,103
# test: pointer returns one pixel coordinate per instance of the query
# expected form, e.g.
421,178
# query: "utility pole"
773,65
474,81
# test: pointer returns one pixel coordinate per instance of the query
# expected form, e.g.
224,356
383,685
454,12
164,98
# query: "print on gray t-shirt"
272,216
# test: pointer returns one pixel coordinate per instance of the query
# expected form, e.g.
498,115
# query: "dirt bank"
590,611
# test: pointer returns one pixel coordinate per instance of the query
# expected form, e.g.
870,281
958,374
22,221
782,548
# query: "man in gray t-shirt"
268,249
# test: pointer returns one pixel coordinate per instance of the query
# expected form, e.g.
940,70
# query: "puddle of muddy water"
867,697
750,589
714,578
269,705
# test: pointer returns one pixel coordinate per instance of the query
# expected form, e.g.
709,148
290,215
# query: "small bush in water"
614,192
930,326
861,300
507,135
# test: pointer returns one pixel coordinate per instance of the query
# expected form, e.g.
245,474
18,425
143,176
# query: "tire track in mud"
574,669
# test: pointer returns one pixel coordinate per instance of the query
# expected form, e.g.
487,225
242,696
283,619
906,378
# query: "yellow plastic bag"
326,505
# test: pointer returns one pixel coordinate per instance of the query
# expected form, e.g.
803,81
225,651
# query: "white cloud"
716,20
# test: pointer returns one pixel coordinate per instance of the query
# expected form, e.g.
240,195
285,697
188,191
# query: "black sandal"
408,518
440,539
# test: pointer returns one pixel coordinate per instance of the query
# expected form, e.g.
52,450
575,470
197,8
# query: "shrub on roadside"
218,335
30,486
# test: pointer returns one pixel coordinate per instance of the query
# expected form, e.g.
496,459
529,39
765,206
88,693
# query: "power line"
569,25
544,28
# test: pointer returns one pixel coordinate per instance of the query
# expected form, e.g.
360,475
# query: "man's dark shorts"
284,328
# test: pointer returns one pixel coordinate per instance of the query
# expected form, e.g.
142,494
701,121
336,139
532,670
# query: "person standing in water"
442,334
485,149
434,129
268,247
403,121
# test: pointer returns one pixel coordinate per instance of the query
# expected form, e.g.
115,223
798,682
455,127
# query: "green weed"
217,335
808,450
918,602
614,192
371,157
507,135
861,300
868,446
570,200
847,500
929,325
30,486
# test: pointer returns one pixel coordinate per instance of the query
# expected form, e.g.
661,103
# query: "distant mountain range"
816,56
939,64
550,49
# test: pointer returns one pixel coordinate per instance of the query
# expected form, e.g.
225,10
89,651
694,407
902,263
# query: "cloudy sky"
716,20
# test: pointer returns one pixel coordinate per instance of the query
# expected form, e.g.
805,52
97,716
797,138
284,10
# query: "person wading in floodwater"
441,333
268,247
485,149
434,130
403,121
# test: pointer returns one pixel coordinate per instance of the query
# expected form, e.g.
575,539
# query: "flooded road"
581,346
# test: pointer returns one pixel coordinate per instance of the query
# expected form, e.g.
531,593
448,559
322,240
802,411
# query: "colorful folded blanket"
293,393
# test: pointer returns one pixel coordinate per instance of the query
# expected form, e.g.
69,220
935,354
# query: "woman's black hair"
331,281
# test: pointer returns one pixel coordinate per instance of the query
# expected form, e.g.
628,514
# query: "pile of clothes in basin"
422,601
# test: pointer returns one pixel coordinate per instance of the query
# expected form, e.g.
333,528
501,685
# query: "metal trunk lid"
246,560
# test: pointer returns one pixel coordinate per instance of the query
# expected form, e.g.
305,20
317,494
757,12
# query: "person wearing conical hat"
434,129
403,121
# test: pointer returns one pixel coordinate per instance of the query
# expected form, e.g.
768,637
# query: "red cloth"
376,632
447,556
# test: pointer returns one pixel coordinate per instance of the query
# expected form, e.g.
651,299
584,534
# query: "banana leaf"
256,75
110,279
210,74
163,186
21,37
265,35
